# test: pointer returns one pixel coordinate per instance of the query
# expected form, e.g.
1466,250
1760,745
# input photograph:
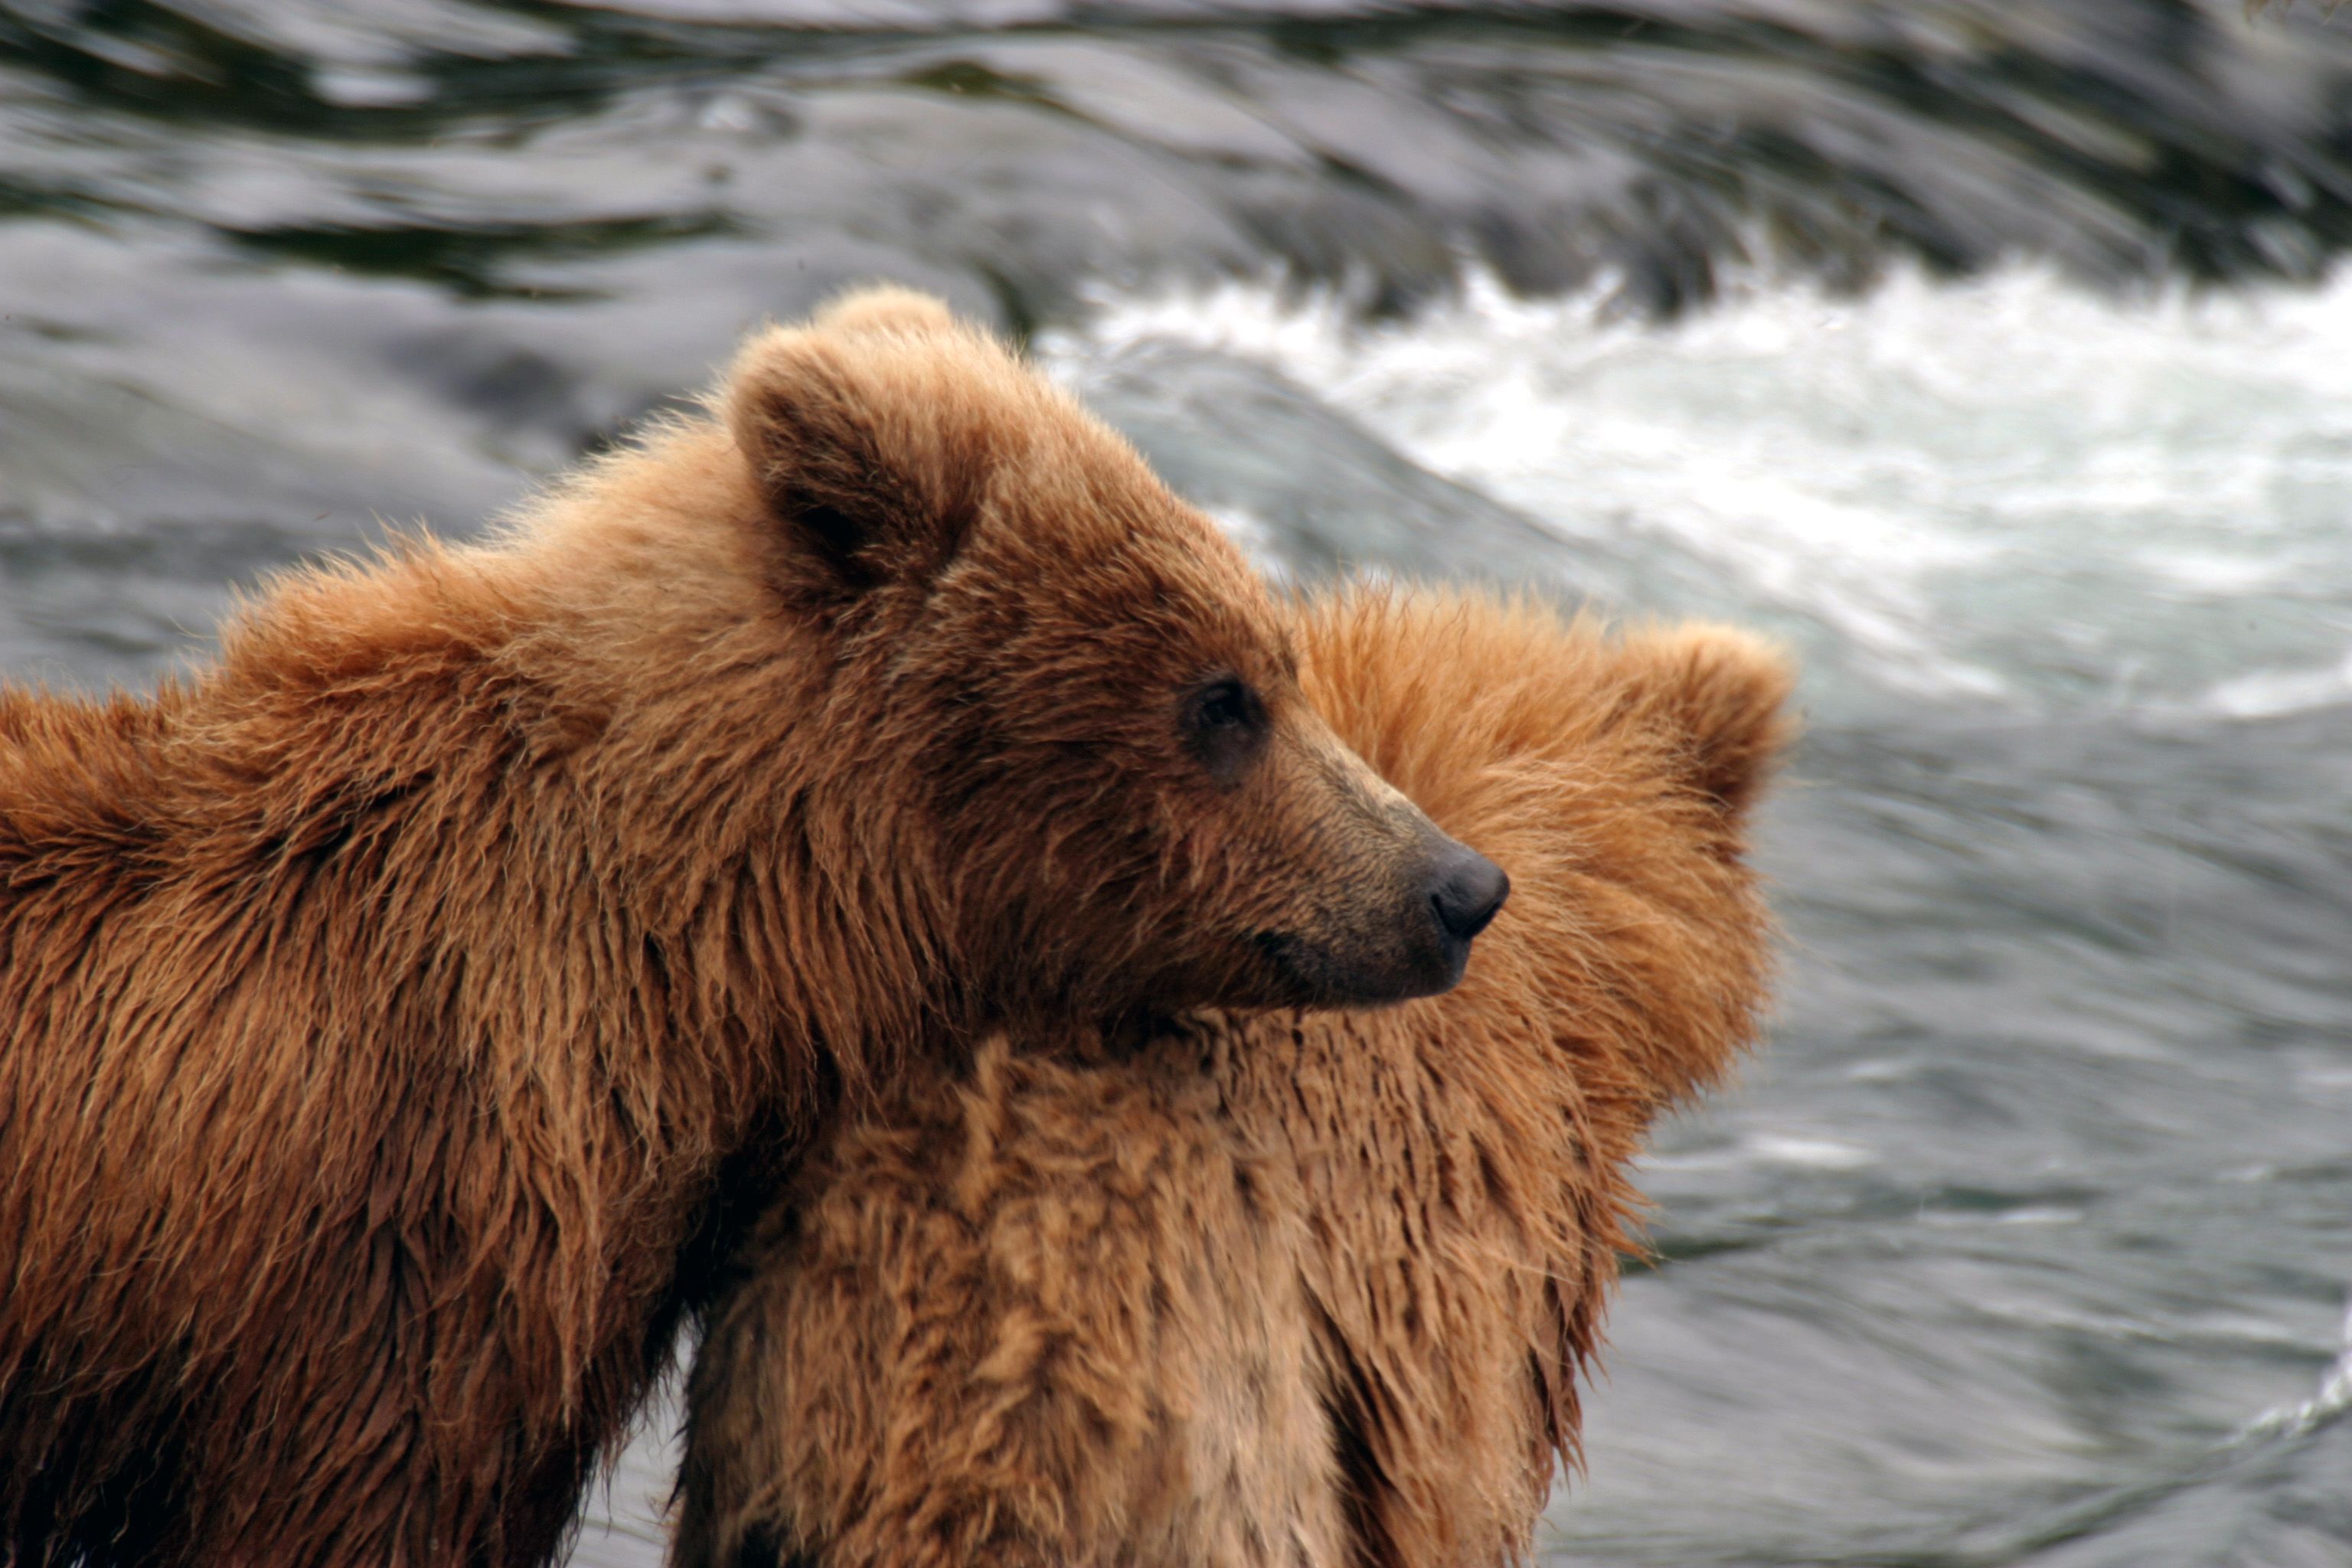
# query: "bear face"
1126,797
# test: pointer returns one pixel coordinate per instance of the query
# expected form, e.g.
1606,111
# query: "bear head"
1122,798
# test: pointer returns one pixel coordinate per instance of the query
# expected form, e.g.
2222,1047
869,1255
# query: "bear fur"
402,1012
1306,1291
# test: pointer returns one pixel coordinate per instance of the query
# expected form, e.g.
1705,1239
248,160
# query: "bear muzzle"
1417,941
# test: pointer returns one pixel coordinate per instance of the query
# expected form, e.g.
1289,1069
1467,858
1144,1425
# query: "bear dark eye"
1227,702
1224,724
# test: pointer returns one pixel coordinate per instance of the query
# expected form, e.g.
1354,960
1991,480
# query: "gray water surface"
1995,354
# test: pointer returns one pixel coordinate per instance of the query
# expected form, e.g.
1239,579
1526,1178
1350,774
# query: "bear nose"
1467,892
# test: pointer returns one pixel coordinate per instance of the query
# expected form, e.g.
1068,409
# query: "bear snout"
1418,943
1467,890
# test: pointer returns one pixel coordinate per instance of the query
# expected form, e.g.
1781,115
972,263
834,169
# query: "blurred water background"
1994,352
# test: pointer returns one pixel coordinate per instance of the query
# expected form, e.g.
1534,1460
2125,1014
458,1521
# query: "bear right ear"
869,459
1728,691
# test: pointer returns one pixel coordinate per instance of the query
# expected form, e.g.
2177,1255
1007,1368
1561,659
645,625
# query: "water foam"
2333,1399
2010,488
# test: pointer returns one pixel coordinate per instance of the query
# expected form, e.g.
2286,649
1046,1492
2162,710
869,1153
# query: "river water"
1994,355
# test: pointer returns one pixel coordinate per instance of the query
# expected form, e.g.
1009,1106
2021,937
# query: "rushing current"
1993,353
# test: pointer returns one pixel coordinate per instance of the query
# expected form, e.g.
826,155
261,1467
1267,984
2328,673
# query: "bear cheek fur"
1075,827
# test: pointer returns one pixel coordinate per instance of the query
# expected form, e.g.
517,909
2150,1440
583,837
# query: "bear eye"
1224,723
1225,704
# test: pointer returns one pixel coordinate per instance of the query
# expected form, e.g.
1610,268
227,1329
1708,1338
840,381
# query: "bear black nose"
1466,891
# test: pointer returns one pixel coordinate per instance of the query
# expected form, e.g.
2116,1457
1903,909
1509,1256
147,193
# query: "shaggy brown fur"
393,1008
1325,1302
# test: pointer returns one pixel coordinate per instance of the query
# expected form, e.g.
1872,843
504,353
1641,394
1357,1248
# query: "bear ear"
1728,691
866,442
886,308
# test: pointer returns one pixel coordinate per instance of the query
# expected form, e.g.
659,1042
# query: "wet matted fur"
396,1007
1308,1291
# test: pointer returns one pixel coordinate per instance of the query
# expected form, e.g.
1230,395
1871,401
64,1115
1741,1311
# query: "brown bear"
1306,1291
396,1010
